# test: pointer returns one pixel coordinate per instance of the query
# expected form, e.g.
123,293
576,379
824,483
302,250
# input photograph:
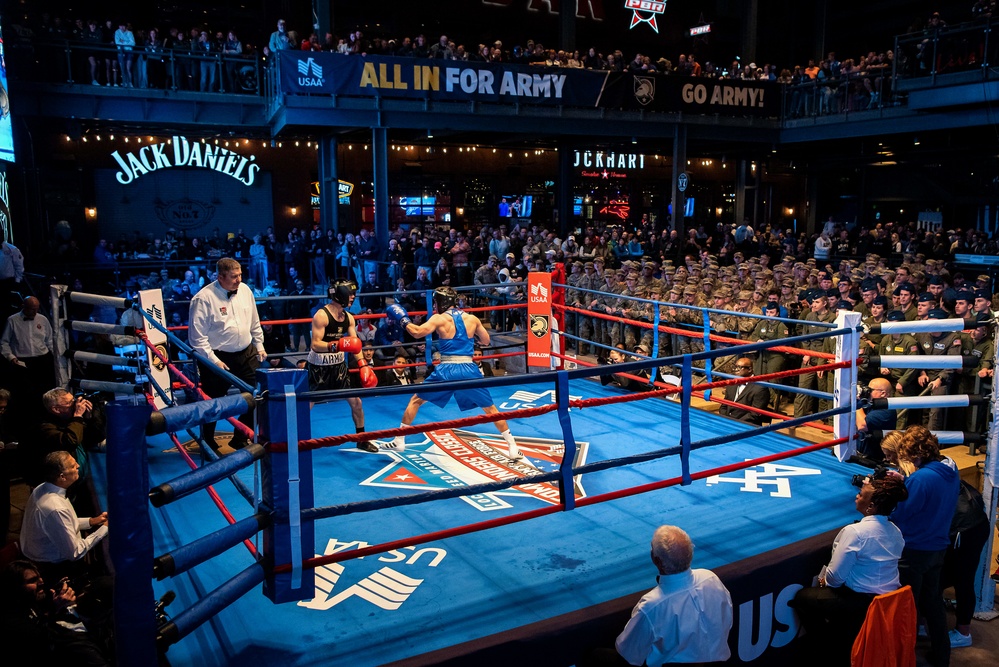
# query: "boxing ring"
470,557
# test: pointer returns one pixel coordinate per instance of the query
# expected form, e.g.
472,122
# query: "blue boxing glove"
399,314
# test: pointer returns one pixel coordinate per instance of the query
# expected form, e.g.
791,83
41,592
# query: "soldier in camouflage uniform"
628,308
939,381
573,299
770,361
976,381
815,380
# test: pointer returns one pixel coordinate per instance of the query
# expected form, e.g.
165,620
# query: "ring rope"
756,378
544,511
330,511
693,334
212,493
703,309
332,441
374,316
186,381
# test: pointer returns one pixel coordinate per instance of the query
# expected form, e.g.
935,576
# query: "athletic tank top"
334,331
461,344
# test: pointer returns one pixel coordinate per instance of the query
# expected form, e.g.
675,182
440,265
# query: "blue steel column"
329,197
563,199
379,151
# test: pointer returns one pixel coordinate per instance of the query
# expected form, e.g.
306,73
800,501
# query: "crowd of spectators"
211,59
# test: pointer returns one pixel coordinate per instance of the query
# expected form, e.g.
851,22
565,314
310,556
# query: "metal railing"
141,67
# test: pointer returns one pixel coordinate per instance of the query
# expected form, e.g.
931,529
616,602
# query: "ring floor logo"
387,588
768,474
454,458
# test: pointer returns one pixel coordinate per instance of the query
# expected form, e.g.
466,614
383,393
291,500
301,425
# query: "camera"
879,473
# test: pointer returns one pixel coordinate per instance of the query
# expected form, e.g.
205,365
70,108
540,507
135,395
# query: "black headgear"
341,291
444,298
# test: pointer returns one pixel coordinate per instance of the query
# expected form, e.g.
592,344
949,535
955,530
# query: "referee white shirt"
220,322
25,338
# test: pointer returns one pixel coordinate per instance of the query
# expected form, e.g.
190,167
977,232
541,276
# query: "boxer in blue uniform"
456,333
334,336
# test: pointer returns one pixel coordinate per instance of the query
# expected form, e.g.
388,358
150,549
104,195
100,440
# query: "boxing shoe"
367,446
395,445
513,451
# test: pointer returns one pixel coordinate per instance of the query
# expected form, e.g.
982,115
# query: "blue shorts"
466,398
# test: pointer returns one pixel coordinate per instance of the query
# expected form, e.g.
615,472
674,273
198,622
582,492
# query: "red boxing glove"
346,344
368,377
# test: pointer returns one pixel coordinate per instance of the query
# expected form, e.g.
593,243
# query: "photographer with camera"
73,424
864,564
868,419
45,621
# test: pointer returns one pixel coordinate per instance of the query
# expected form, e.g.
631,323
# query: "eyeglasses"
744,368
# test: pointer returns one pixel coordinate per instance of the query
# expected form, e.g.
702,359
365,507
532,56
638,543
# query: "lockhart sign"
182,152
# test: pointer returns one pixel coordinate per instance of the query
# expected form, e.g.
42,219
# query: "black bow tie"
231,293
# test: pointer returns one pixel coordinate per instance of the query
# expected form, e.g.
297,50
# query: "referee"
225,328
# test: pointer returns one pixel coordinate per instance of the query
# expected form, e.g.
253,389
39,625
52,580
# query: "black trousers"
832,617
960,567
243,365
921,570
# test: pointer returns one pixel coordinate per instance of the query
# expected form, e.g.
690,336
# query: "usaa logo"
387,588
522,399
310,73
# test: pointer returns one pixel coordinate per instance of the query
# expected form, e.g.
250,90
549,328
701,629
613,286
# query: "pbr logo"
645,89
455,458
539,325
645,11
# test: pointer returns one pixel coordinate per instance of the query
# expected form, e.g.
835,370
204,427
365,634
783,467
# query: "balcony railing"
138,68
921,56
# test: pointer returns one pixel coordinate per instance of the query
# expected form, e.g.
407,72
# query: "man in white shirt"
11,272
51,531
27,344
225,328
686,618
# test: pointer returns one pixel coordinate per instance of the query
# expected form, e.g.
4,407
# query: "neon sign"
619,208
645,11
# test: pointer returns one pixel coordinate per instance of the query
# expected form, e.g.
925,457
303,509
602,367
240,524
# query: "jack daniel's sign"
181,152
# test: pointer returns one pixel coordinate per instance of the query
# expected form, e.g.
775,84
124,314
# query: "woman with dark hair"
864,563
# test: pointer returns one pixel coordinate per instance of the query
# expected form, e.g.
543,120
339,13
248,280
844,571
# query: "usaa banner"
659,92
369,76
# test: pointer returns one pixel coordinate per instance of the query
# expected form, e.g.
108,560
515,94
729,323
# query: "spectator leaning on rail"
51,530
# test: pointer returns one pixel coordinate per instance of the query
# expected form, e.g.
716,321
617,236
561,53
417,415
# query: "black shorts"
334,376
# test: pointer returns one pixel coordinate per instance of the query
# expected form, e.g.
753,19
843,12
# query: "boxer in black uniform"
334,335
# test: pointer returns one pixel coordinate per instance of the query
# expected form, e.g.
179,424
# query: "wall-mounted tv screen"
420,207
6,131
516,206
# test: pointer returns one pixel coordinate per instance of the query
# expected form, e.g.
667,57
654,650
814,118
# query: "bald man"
869,419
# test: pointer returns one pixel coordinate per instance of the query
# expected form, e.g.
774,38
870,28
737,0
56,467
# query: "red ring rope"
544,511
691,334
